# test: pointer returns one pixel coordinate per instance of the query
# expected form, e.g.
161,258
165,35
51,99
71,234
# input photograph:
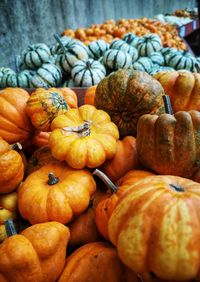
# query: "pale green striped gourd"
143,64
149,44
19,79
116,59
181,60
157,58
131,39
97,48
3,76
119,44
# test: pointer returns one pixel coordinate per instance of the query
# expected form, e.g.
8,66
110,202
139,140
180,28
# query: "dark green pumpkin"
128,94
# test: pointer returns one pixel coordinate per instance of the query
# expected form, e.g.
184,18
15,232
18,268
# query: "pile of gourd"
53,190
70,63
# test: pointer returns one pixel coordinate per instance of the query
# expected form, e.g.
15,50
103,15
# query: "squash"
8,210
83,137
89,95
29,256
40,139
155,228
70,97
3,73
157,58
131,39
56,48
183,88
86,73
181,60
162,142
97,48
148,44
126,95
97,262
14,122
116,59
143,64
125,47
55,192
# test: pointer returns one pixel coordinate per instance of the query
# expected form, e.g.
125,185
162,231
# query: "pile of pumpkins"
70,63
116,183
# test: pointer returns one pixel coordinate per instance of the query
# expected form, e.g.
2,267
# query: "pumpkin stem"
81,130
177,188
57,37
167,104
10,228
139,278
197,67
106,180
88,65
31,48
52,179
16,146
17,64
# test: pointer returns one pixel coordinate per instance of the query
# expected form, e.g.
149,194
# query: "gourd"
148,44
181,60
116,59
57,49
157,58
143,64
125,47
97,48
89,95
3,75
131,39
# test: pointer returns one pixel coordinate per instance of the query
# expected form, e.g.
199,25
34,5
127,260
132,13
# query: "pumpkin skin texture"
162,143
124,159
89,95
83,137
44,105
11,168
97,262
106,206
29,257
155,227
61,201
83,229
183,88
40,139
8,210
15,125
126,95
70,97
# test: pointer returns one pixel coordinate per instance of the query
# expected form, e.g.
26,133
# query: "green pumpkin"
116,59
181,60
119,44
3,76
69,83
149,44
143,64
131,39
128,94
156,68
56,48
157,58
97,48
18,79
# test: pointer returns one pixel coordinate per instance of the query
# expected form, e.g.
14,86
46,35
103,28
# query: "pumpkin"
169,138
69,83
106,206
97,48
125,47
181,60
183,88
116,59
35,55
155,228
131,39
44,105
143,64
40,157
124,159
126,95
14,122
89,95
83,229
18,79
8,210
11,168
29,256
157,58
55,192
87,73
83,137
97,262
167,52
3,74
156,68
40,139
70,96
57,49
48,75
148,44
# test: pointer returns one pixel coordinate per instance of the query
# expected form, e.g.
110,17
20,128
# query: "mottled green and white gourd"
48,75
157,58
143,64
156,68
119,44
131,39
117,59
72,52
87,73
97,48
181,60
56,48
149,44
166,52
35,55
3,76
69,83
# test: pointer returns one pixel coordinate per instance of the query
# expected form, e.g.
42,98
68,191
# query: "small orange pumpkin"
29,256
70,97
40,139
55,192
89,95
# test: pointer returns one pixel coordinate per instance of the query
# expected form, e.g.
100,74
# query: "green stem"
57,37
17,64
106,180
52,179
10,228
167,104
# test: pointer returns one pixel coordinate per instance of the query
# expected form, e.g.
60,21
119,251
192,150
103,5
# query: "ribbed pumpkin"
87,73
83,137
181,60
143,64
106,206
96,262
157,58
11,168
89,95
119,44
155,227
57,49
149,44
55,192
131,39
116,59
15,125
40,139
126,95
29,256
170,144
3,74
44,105
48,75
18,79
183,88
97,48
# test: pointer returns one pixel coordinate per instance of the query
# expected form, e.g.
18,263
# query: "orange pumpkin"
124,159
40,139
15,125
55,192
83,137
70,97
11,168
89,95
83,229
155,227
29,257
96,262
106,206
183,88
